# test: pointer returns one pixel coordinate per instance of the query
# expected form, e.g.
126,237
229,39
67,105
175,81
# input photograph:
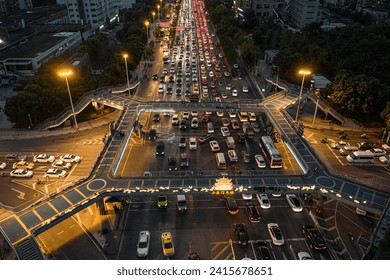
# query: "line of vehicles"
21,168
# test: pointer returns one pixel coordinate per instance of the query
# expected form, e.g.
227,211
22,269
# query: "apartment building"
303,12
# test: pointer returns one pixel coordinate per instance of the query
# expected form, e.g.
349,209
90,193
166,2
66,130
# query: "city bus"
271,153
361,157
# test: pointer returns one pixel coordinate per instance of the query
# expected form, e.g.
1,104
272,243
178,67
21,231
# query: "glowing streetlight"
158,12
125,56
65,75
147,30
304,73
154,22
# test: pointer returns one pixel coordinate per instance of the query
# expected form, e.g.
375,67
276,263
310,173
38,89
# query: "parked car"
55,173
275,234
167,244
70,158
225,131
23,165
262,250
232,155
60,164
241,233
152,135
21,173
304,256
44,158
10,158
214,146
205,138
162,201
172,164
294,202
377,152
246,156
143,244
313,235
3,165
253,212
260,161
263,200
182,142
160,148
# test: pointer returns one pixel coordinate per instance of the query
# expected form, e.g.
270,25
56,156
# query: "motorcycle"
343,136
324,140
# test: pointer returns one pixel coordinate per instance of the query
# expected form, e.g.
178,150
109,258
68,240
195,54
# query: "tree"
384,247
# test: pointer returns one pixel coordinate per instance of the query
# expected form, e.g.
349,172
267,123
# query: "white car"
21,173
225,131
44,158
232,156
143,244
244,89
60,164
384,159
186,115
214,146
3,165
275,234
304,256
377,152
234,93
194,122
246,196
294,202
263,200
70,158
219,113
55,173
235,124
232,114
260,161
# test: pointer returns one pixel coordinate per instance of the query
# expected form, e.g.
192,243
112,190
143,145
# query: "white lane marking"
332,151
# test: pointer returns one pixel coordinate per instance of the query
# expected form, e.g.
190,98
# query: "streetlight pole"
158,12
277,78
304,73
127,72
147,30
315,111
154,23
65,74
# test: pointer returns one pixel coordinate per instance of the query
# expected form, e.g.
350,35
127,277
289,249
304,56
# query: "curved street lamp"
158,12
303,73
65,74
147,30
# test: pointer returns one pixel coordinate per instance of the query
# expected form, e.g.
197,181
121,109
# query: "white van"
221,162
360,157
230,142
193,144
181,202
175,119
346,150
210,127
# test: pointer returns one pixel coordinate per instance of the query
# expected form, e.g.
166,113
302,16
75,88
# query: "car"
156,117
237,169
313,235
160,148
304,256
14,158
184,160
161,87
219,113
167,244
162,201
232,155
339,144
229,86
235,93
256,127
377,152
3,165
205,138
231,205
263,200
172,164
226,73
70,158
275,234
244,89
182,142
262,250
214,146
21,173
384,159
260,161
235,124
152,135
193,256
183,124
225,131
253,212
186,115
60,164
225,121
55,173
247,196
194,114
294,202
44,158
242,234
360,211
23,165
223,95
143,244
194,122
246,156
240,137
155,77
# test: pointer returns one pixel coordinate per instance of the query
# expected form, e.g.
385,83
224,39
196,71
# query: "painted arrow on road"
20,195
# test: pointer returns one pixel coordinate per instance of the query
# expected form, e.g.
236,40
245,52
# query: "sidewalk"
9,134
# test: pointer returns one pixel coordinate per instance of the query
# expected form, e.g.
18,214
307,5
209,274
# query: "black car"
183,124
152,134
155,77
242,234
240,138
172,164
205,138
193,256
160,148
263,251
253,212
313,235
156,117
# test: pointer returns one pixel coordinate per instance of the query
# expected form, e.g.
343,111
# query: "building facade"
303,12
263,8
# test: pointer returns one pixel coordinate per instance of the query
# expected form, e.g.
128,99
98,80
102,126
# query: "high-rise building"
303,12
95,12
263,8
11,7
